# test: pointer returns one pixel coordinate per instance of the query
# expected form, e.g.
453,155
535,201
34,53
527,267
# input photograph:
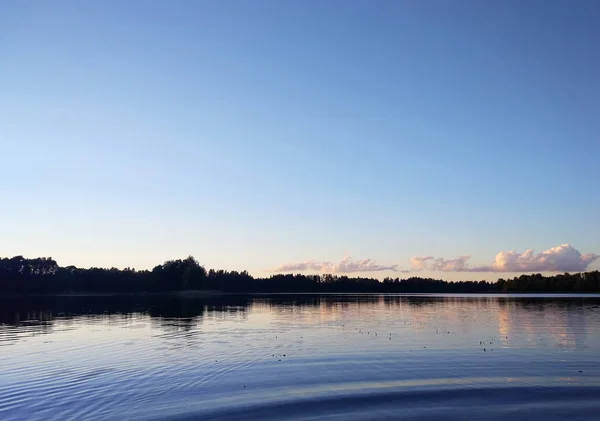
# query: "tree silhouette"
22,276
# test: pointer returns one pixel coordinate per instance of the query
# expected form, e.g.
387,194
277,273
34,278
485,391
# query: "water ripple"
303,358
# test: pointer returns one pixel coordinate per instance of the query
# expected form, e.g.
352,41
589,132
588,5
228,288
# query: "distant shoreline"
43,276
180,294
213,293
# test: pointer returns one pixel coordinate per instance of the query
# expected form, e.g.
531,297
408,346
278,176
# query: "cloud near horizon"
346,265
563,258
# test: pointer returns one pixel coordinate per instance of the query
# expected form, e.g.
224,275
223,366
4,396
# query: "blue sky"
259,134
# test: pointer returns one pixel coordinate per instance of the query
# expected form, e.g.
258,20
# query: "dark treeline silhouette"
19,275
566,282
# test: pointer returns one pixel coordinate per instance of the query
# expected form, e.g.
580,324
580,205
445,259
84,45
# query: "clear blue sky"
253,134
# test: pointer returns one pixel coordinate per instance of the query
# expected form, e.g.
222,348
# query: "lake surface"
301,357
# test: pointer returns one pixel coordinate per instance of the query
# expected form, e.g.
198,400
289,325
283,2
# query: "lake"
301,357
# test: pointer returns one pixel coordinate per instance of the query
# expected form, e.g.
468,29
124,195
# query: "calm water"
301,357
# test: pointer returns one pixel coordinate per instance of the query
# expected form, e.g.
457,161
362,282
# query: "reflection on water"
299,357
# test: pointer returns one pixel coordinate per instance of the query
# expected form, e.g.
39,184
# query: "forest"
23,276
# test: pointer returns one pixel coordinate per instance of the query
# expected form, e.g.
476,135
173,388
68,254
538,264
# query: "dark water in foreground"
289,357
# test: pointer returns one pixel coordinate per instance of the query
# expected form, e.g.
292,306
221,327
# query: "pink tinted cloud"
346,265
562,258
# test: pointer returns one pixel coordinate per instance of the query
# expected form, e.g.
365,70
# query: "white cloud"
346,265
420,262
430,263
563,258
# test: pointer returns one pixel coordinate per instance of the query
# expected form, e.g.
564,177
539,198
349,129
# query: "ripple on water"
299,358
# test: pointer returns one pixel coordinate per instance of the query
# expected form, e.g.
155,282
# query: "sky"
458,140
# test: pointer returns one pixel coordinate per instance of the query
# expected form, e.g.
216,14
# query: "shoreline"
180,294
215,293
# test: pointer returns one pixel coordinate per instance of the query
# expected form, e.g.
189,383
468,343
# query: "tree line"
19,275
